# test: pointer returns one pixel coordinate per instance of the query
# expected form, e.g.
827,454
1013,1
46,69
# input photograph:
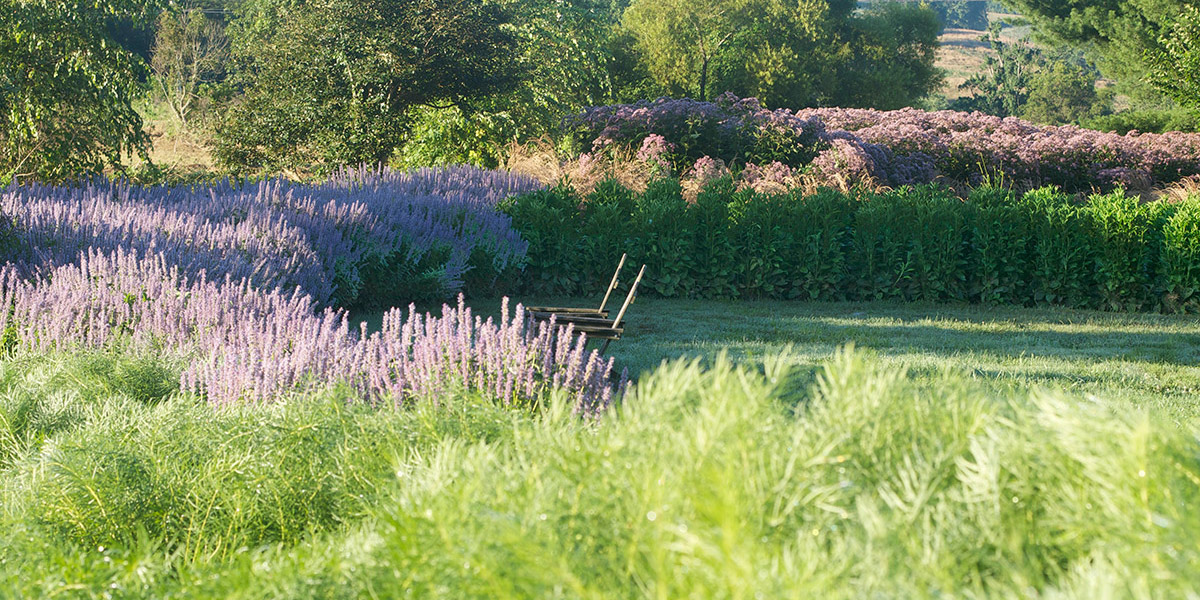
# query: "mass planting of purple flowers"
238,282
901,147
277,233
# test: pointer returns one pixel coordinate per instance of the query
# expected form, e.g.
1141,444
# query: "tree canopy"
332,82
1176,64
1119,35
67,87
788,53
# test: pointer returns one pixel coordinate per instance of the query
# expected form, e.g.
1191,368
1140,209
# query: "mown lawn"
1139,360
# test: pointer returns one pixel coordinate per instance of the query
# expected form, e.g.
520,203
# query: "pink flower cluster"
967,146
249,345
900,147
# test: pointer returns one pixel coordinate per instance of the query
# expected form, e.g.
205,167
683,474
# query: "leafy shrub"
1062,259
548,221
1180,260
909,245
818,264
1124,246
913,243
999,252
714,255
664,239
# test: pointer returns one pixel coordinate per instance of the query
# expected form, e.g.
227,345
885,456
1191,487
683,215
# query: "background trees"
1175,64
333,82
67,86
788,53
191,49
1119,35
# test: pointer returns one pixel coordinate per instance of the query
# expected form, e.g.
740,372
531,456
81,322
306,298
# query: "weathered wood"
550,310
629,298
612,285
580,319
593,322
574,310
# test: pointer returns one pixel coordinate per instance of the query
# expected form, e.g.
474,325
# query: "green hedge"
1109,252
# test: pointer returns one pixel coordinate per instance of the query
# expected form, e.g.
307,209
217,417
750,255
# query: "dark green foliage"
762,243
920,244
1175,64
961,14
1062,258
909,244
549,221
1123,36
713,252
999,251
607,228
820,225
1180,260
664,239
1123,245
333,83
67,87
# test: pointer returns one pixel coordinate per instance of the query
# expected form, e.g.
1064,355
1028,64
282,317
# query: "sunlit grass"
1140,360
957,452
775,481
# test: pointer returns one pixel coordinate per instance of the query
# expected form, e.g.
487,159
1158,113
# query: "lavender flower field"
277,234
240,282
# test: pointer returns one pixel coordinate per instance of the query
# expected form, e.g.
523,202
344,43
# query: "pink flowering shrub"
249,345
894,148
964,146
729,129
656,151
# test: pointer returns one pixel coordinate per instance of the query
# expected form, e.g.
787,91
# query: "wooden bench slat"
570,311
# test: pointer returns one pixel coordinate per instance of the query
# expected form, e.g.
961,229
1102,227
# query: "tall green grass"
720,482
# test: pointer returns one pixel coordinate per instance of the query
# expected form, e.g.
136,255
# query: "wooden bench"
601,312
593,323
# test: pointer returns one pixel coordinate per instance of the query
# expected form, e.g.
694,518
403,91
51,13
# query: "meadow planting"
191,407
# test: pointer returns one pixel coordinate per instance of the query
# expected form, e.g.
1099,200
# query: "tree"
564,51
1119,35
680,39
1001,88
67,86
331,82
190,50
1175,67
1051,87
891,59
1064,92
789,53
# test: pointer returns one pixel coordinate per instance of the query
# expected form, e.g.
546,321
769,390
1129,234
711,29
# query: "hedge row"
1109,252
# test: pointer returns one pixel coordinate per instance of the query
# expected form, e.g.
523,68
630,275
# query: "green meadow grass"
956,452
1134,359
